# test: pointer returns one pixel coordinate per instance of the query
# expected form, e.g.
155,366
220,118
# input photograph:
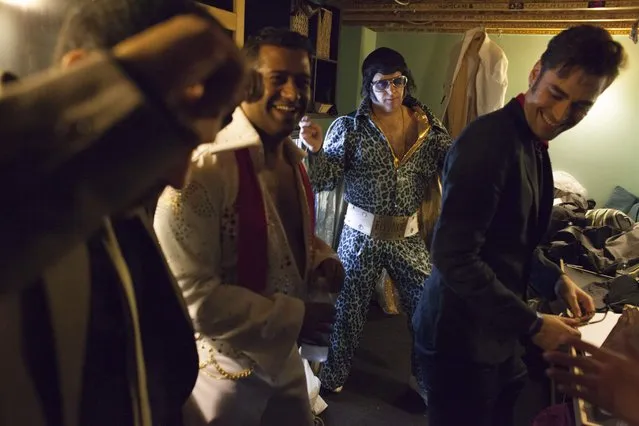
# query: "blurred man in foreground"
93,330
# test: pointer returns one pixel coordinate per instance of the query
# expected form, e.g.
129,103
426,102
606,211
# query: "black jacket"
496,203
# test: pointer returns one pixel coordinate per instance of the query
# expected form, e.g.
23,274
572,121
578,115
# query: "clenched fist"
190,63
311,134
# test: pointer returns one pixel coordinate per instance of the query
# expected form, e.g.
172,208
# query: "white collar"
240,134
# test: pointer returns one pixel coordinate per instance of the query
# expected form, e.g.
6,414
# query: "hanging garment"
478,84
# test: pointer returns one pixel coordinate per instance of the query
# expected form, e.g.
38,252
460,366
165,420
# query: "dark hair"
101,24
281,37
587,47
385,61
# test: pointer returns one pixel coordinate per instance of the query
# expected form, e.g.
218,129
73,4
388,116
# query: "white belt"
381,227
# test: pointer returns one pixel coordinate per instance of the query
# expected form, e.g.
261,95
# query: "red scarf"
521,98
252,256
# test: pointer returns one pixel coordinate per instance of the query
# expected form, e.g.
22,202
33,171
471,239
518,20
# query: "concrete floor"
377,393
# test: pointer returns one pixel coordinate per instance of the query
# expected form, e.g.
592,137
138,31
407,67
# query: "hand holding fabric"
331,272
327,267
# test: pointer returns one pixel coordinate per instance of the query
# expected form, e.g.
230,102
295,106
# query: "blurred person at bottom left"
93,331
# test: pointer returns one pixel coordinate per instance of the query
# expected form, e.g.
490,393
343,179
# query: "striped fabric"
136,368
616,219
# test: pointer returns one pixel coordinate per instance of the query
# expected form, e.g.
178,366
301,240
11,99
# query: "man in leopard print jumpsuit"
388,152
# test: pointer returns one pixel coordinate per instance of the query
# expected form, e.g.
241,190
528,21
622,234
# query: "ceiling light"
21,3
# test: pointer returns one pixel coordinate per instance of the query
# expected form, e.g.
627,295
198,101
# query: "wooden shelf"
324,78
232,21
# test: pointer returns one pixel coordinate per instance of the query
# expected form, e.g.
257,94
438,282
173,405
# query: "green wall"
601,152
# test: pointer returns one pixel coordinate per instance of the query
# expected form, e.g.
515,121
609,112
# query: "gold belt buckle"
389,227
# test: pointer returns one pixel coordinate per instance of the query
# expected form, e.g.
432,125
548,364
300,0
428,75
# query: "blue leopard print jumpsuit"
356,150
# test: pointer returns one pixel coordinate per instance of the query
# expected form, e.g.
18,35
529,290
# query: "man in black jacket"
496,203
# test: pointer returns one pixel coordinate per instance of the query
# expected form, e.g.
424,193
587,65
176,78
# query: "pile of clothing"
601,240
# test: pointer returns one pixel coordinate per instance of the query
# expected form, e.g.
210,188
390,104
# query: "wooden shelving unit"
232,20
324,78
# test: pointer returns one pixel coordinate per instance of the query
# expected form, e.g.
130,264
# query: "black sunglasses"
397,82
